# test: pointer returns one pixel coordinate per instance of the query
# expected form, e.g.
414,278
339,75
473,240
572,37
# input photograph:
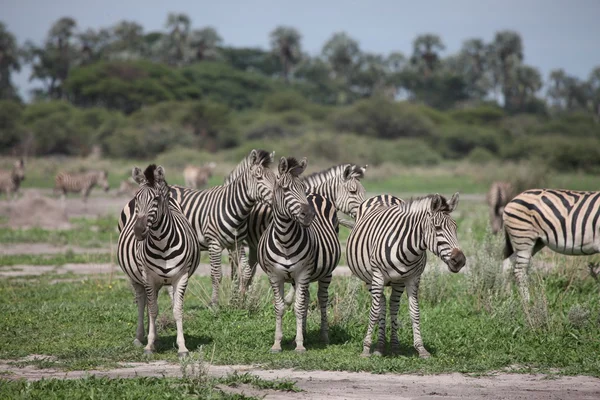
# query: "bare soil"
353,385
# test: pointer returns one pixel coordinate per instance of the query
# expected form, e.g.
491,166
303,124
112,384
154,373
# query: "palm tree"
93,44
507,55
594,87
179,30
285,41
343,54
128,41
426,49
529,82
204,43
557,90
9,61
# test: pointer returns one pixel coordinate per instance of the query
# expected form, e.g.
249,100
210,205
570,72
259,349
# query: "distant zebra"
10,181
301,245
197,177
566,221
219,214
497,198
80,183
387,247
157,247
340,184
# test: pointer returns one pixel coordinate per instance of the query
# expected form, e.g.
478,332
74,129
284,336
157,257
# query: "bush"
10,124
457,141
482,115
147,141
480,155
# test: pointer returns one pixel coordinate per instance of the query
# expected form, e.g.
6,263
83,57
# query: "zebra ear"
283,166
159,175
302,165
453,202
138,176
436,203
272,156
348,172
252,156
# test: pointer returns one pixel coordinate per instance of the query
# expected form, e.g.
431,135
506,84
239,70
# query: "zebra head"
18,171
151,199
440,232
102,180
289,195
350,192
259,177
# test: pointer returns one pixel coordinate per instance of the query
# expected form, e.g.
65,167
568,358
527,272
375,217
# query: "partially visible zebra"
219,214
300,245
387,247
197,177
339,184
157,247
567,221
80,183
10,181
497,198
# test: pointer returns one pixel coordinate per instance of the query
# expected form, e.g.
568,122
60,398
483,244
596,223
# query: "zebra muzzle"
140,229
457,260
306,215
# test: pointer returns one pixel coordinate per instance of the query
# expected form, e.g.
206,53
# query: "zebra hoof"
365,354
300,349
424,354
183,354
137,343
377,353
275,350
148,352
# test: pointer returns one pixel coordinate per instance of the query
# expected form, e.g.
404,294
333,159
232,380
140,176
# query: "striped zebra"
300,245
219,214
566,221
80,183
10,181
387,247
339,184
157,247
497,198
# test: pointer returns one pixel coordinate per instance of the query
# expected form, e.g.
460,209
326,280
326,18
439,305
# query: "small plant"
578,316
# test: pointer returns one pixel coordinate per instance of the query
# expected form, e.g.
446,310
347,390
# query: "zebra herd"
290,225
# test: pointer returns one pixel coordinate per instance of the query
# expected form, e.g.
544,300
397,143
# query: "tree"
204,43
557,91
343,55
505,56
594,90
285,41
528,82
93,45
472,62
426,49
9,62
176,45
127,41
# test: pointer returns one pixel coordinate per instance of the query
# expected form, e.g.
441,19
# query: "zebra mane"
149,174
416,202
326,174
263,158
262,155
293,167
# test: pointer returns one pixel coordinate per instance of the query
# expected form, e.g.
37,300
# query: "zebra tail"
508,249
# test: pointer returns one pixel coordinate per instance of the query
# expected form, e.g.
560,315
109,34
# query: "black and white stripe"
497,198
157,247
80,183
387,247
567,221
10,181
300,245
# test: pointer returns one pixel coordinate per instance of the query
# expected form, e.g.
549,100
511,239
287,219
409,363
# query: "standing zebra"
387,247
80,183
11,181
339,184
157,247
301,245
219,214
566,221
497,198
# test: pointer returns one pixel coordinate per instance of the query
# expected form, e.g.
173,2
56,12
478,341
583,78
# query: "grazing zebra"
219,214
157,247
387,247
566,221
80,183
197,177
497,198
10,181
339,184
300,245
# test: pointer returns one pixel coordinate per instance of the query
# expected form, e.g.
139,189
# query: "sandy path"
352,385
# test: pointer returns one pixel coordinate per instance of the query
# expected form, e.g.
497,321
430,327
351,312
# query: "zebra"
387,247
157,247
497,198
300,245
197,177
340,184
567,221
219,214
10,181
80,183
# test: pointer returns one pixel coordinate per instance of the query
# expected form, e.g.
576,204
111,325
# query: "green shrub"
10,124
481,115
457,141
147,141
481,155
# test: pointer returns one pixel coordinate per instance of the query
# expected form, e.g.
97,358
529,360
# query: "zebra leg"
382,322
170,291
305,315
179,291
395,297
301,307
323,296
277,285
375,312
289,297
249,269
214,250
413,310
140,299
151,293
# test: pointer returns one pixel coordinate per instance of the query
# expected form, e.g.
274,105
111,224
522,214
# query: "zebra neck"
287,233
326,189
161,230
237,199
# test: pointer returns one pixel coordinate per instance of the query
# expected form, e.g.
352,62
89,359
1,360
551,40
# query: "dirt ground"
352,385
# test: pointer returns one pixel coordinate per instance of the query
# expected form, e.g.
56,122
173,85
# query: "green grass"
53,259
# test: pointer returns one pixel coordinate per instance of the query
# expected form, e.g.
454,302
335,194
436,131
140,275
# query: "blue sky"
556,33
